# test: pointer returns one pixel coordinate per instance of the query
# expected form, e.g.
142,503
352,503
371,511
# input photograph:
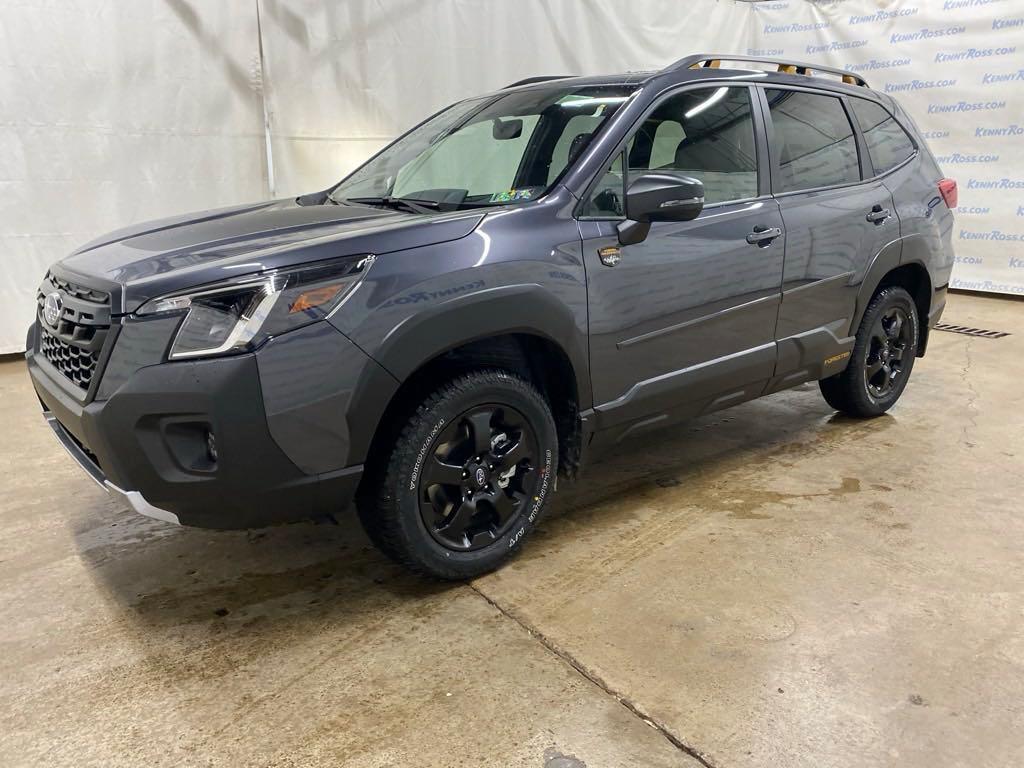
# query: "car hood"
167,255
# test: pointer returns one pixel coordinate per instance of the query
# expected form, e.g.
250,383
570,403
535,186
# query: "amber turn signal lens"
314,298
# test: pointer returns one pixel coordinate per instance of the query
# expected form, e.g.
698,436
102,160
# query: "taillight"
947,188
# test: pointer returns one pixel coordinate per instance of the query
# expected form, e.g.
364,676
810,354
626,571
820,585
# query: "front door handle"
763,236
878,214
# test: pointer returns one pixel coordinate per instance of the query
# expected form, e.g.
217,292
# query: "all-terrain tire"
881,360
507,477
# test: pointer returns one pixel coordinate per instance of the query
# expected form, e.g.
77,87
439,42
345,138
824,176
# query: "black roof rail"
714,60
540,79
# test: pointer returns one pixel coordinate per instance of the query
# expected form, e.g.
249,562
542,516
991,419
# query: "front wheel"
882,357
467,478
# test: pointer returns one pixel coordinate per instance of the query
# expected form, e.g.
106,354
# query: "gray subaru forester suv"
517,284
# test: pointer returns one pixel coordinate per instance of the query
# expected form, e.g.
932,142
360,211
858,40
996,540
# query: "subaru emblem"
52,307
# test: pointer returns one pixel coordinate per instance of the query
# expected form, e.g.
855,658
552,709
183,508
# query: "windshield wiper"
397,203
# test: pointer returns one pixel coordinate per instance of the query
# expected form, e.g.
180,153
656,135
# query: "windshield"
487,151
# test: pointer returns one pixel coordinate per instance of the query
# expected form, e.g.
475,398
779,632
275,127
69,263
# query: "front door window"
702,133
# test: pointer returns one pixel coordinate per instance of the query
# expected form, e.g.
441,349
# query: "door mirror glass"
664,197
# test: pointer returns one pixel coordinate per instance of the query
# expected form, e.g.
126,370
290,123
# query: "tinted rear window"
812,139
888,144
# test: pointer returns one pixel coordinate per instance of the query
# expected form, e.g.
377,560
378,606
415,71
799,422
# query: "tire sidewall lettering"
538,501
424,450
542,492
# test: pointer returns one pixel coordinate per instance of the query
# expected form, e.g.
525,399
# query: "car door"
685,320
835,224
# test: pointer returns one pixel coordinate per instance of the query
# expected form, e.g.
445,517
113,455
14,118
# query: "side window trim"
895,167
760,147
776,173
864,161
762,144
581,207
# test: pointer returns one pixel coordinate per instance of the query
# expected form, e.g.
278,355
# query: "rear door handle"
878,214
763,235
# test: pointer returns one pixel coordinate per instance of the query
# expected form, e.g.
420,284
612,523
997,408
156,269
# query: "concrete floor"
770,586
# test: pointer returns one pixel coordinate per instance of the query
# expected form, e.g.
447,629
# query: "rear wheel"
882,357
467,478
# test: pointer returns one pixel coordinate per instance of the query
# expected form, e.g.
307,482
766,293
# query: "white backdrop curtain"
114,111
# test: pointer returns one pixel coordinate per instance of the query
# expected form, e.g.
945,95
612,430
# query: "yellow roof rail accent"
714,61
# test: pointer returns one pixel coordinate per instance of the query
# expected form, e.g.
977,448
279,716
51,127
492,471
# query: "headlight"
239,315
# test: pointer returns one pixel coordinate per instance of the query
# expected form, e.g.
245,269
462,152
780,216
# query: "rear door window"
812,140
888,144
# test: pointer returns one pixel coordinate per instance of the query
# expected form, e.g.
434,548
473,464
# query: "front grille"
80,291
73,341
76,363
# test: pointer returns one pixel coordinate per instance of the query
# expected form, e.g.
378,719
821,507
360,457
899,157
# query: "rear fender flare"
884,262
898,253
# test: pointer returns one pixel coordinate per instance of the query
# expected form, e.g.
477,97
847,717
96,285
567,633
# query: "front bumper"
131,499
146,445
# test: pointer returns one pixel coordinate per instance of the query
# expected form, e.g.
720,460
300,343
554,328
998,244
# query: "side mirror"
659,197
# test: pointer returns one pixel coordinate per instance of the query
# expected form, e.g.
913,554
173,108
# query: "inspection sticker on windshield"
513,194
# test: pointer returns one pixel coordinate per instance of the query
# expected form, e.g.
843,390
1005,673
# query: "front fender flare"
526,308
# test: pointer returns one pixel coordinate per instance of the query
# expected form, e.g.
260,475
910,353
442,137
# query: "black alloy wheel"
882,357
891,337
479,477
466,479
